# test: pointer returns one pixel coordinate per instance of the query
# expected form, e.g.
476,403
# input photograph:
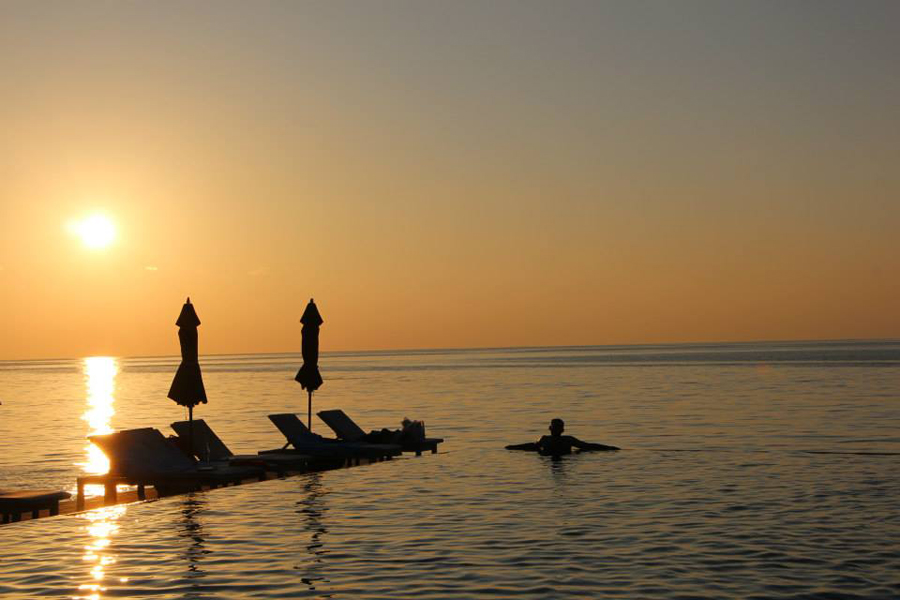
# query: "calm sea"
748,471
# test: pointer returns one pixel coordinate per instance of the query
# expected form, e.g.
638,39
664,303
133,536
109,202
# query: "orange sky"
461,174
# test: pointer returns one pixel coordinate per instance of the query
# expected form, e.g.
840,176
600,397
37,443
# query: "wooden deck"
422,445
114,494
15,503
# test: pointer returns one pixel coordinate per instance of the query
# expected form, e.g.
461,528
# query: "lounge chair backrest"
342,425
206,445
141,451
294,430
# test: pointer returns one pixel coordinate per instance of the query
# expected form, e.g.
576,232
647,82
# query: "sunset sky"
447,174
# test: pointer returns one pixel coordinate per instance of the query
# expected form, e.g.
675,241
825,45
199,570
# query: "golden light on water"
96,231
102,526
100,380
100,377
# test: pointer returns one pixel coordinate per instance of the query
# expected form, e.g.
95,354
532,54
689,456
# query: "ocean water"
747,471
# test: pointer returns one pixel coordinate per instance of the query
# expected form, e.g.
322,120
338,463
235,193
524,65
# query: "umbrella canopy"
308,376
187,387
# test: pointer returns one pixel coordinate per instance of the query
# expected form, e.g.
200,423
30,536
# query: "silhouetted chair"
208,447
14,503
307,442
144,457
346,429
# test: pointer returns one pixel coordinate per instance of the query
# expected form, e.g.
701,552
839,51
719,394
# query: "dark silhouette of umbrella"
308,375
187,387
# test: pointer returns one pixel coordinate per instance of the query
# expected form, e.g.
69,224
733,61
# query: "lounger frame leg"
79,498
109,493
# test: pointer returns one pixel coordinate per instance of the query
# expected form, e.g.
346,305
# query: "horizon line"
465,348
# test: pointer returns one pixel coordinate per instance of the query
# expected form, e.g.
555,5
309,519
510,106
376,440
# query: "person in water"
557,444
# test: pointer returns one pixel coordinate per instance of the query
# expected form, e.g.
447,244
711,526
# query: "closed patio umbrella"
308,375
187,387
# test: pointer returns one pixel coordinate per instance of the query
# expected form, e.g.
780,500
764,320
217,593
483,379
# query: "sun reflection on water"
100,378
102,526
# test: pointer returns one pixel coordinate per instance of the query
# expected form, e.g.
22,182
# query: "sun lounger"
14,503
144,457
307,442
346,429
209,448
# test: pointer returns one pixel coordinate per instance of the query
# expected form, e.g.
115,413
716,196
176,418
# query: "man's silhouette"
557,444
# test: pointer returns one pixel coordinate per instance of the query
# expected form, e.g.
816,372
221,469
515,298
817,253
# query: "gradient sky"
448,173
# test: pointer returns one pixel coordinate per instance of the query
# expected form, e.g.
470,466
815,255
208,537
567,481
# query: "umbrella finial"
311,315
188,316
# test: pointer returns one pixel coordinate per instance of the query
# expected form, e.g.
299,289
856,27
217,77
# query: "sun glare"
96,231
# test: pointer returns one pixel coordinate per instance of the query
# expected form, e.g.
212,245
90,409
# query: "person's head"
557,426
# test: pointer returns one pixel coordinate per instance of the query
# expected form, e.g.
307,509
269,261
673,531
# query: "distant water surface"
749,471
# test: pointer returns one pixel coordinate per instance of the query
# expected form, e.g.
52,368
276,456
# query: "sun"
96,231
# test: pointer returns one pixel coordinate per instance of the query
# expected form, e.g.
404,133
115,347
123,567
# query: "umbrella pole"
309,411
191,430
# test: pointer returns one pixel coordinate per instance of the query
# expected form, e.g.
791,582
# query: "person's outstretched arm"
589,446
529,446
